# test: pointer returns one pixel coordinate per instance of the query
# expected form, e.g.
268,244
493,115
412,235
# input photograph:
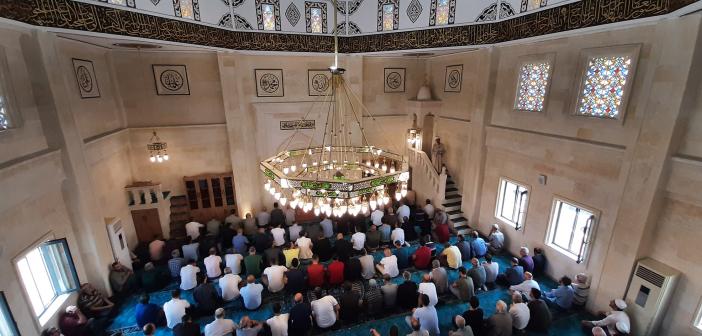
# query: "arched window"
316,17
388,15
268,14
442,12
187,9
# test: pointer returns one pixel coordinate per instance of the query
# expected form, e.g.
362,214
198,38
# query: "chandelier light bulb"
293,168
272,191
364,208
376,165
286,170
368,163
283,200
385,167
267,185
398,196
159,158
277,196
165,156
304,165
152,158
403,192
392,169
316,211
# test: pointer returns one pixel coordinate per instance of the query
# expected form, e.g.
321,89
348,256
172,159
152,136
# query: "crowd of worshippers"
271,254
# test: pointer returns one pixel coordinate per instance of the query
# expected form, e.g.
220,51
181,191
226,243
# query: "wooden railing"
144,193
426,181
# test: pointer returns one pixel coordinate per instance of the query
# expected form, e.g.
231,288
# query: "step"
451,203
452,198
452,192
455,206
455,216
451,189
454,212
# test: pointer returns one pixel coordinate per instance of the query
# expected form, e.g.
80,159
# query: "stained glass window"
4,115
116,2
316,20
532,86
442,12
187,10
268,16
388,17
535,4
602,91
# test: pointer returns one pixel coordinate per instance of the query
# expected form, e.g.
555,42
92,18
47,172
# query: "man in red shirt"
335,271
422,256
315,273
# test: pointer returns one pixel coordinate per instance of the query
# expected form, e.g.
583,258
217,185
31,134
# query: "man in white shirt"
427,287
263,217
377,216
325,310
519,311
398,234
367,265
233,262
229,284
429,209
289,215
278,234
192,229
388,265
426,316
496,239
525,287
188,276
616,322
305,246
251,293
213,264
220,326
279,322
358,240
294,231
175,309
273,276
402,212
327,226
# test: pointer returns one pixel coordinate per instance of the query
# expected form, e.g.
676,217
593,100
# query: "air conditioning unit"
650,289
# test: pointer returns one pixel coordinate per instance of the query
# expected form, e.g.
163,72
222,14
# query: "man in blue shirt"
477,246
512,276
148,313
240,242
563,295
403,255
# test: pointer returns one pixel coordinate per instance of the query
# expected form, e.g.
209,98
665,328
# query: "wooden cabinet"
210,196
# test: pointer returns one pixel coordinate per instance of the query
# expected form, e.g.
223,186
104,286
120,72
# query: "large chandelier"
339,174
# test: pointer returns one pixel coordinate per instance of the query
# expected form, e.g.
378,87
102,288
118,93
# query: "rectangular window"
4,114
535,4
603,87
8,327
442,12
697,323
571,229
388,17
512,200
532,86
316,20
187,9
268,14
47,272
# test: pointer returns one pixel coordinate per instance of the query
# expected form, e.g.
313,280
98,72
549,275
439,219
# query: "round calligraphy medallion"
320,83
85,81
172,80
394,80
454,79
269,83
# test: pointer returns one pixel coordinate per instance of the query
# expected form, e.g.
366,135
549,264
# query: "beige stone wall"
34,210
144,108
28,138
94,116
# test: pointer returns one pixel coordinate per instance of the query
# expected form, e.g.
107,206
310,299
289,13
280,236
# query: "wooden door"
147,224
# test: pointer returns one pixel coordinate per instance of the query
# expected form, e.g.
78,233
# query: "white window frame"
59,298
586,244
697,321
549,58
630,50
520,201
8,318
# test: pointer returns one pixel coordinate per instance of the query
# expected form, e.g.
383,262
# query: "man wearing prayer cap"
616,321
461,328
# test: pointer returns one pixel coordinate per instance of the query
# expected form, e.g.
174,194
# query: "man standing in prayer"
437,155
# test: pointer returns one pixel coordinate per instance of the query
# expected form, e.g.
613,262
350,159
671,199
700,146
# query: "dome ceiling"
307,26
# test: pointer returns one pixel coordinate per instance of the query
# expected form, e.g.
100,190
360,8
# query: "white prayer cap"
497,227
597,331
71,309
372,282
623,327
620,304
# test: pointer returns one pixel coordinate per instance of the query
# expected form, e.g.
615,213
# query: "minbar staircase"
452,206
180,215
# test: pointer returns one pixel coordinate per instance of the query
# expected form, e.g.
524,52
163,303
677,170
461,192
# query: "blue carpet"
564,324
